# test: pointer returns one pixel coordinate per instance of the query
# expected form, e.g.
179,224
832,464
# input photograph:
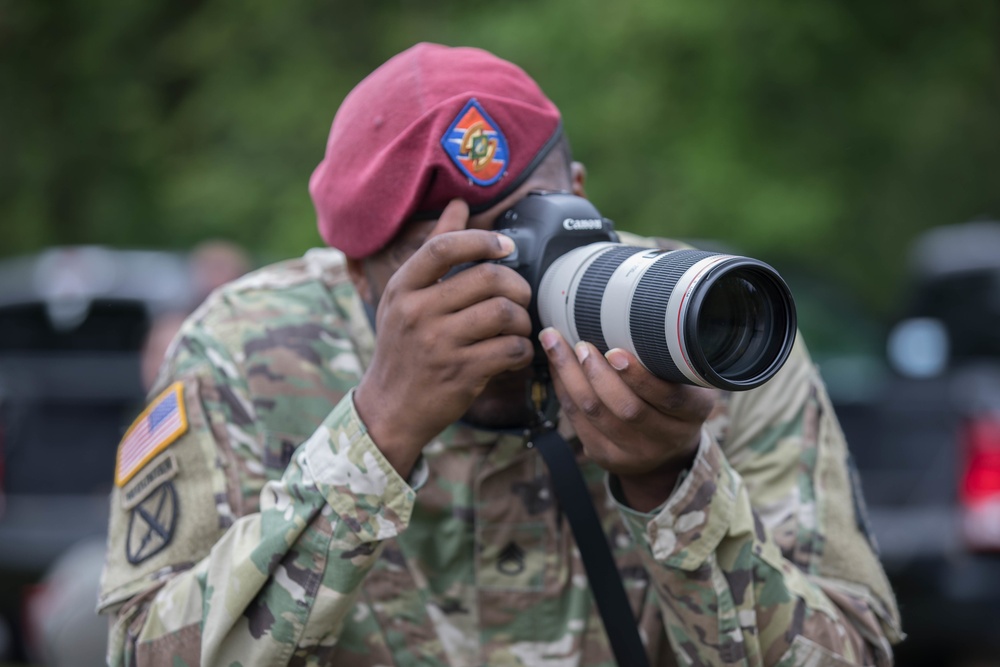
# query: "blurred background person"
82,333
213,263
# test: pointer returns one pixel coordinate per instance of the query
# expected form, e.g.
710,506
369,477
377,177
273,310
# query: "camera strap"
602,573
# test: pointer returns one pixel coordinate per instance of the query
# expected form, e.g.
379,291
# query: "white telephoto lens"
688,316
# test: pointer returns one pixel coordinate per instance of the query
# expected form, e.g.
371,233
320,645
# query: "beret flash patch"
476,145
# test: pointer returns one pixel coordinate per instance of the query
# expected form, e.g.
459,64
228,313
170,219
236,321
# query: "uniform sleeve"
245,539
760,555
276,582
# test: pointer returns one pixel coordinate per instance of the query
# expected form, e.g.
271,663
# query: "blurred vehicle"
939,505
72,324
920,404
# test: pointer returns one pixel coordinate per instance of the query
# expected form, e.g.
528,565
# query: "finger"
578,392
441,252
597,446
494,317
633,374
501,353
454,218
481,282
685,401
611,389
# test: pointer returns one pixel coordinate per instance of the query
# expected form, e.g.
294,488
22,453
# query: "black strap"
605,582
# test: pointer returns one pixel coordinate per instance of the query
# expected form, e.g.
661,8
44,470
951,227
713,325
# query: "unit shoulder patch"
152,523
159,425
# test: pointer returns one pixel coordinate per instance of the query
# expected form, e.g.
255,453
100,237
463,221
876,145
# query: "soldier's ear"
579,175
359,275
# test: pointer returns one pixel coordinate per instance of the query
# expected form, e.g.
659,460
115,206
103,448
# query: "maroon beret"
432,124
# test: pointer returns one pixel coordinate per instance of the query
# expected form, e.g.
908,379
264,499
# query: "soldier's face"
503,404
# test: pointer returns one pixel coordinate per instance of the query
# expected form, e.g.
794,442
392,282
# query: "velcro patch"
160,424
152,523
161,470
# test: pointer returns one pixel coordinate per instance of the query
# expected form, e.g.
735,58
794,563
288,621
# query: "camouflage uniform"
280,535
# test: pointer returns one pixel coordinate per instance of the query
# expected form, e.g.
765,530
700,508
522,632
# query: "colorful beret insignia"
476,145
160,424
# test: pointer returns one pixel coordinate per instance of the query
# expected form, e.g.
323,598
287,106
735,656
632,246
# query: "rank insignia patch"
151,526
161,423
511,560
476,145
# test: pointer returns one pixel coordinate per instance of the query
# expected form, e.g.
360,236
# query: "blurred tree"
822,133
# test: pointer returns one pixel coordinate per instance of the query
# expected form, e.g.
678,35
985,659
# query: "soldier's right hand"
438,342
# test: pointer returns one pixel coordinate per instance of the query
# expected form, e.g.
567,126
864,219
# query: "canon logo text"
587,224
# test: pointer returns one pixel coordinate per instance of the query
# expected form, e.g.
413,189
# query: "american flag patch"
162,422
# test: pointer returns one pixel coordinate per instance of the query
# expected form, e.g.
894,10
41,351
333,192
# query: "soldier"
304,490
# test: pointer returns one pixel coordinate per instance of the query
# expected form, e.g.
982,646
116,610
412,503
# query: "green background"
817,134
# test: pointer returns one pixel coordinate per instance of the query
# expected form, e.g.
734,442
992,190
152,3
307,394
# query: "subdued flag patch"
160,424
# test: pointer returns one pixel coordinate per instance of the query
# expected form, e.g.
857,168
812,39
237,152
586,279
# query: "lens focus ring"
590,294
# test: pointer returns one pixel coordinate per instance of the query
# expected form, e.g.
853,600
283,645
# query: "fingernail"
549,338
582,351
507,243
617,358
457,201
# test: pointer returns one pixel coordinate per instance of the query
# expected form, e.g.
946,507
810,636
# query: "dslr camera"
689,316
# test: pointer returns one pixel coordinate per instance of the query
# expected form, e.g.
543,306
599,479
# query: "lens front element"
728,321
744,324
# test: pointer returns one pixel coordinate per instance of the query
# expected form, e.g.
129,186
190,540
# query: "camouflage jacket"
254,522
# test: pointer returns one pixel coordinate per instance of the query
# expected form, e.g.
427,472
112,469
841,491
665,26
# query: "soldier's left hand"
631,423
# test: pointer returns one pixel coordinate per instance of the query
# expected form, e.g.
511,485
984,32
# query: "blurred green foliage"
822,134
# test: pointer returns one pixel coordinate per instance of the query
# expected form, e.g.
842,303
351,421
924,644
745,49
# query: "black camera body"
545,226
689,316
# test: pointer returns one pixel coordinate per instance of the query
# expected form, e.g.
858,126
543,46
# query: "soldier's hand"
439,342
631,423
